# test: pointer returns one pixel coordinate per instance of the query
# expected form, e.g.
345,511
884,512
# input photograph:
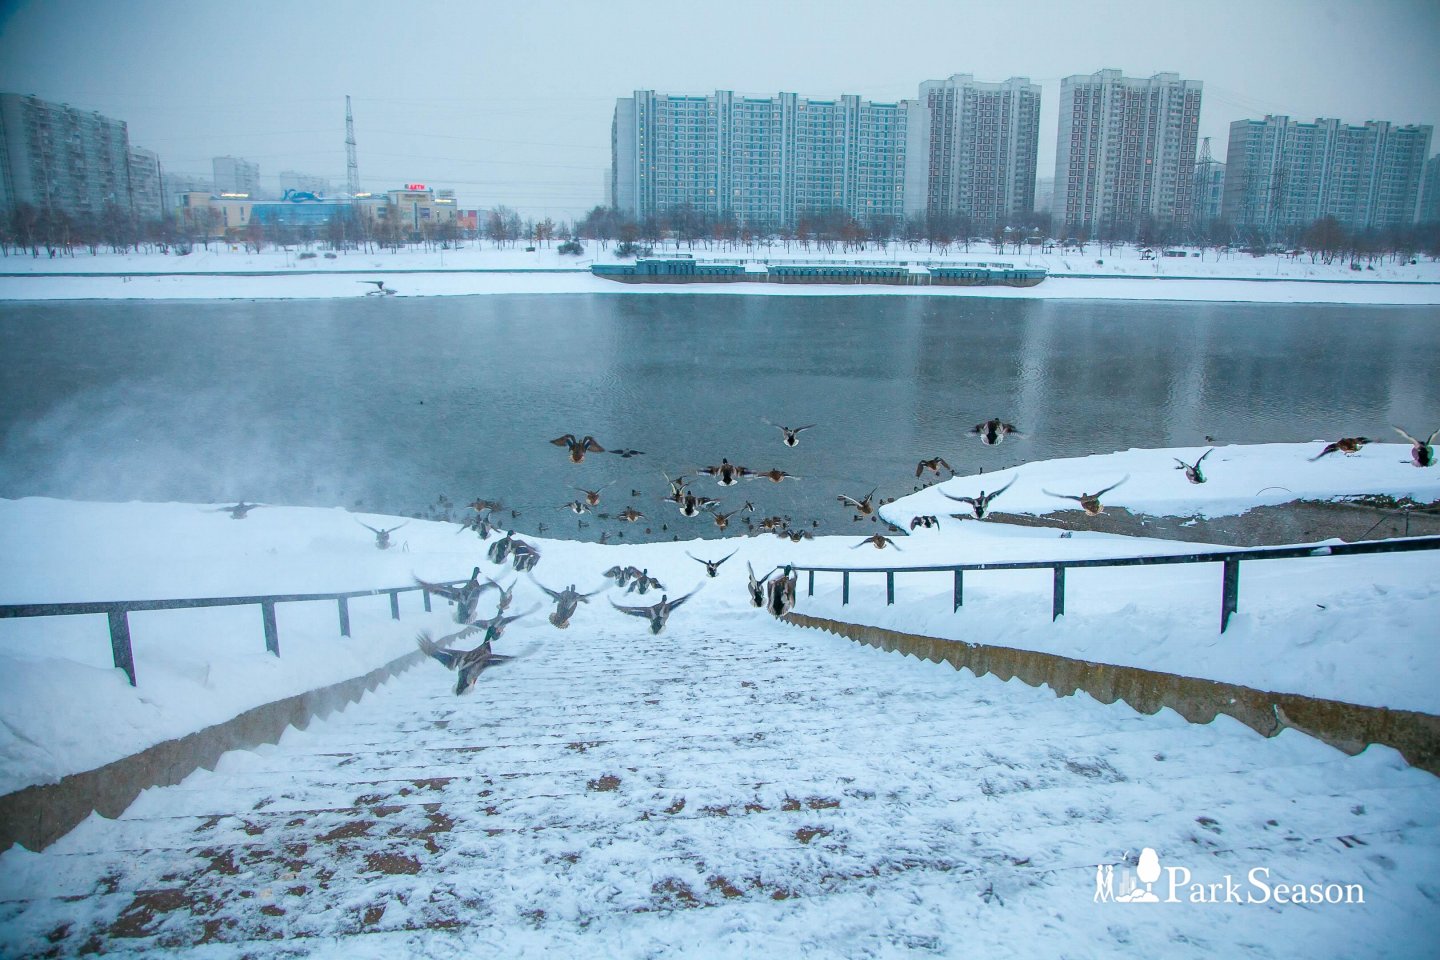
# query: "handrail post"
272,635
889,588
120,642
426,595
959,589
810,589
344,616
1057,605
1229,592
844,588
394,604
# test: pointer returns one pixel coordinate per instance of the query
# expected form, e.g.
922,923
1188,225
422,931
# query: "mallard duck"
658,613
722,520
238,512
627,454
1192,470
780,592
495,626
775,476
726,474
578,448
499,551
1422,454
1346,445
924,521
575,506
865,507
795,534
592,497
994,431
524,556
641,582
465,597
1089,502
630,515
791,435
878,540
567,601
933,465
757,585
382,537
380,289
480,505
981,504
712,567
480,523
468,663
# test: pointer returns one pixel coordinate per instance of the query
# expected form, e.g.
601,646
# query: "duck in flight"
469,664
382,537
1192,470
465,597
981,505
657,613
380,289
1090,502
994,431
791,434
1346,445
879,541
1422,454
933,465
567,601
712,567
578,448
238,512
864,506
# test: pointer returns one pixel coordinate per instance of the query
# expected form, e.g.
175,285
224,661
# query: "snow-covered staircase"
740,786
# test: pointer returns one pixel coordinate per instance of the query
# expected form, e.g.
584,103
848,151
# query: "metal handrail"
118,612
1230,587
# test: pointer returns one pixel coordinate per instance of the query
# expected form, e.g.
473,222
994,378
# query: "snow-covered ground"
1347,628
1106,275
735,787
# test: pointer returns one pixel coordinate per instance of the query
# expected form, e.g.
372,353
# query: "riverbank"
224,272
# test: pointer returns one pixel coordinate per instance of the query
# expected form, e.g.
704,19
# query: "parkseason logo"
1149,881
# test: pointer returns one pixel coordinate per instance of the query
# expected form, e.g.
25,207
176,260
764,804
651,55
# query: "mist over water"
387,405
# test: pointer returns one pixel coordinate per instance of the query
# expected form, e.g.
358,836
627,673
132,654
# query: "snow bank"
1120,274
1237,478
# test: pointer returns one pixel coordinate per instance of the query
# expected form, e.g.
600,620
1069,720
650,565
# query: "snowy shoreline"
225,273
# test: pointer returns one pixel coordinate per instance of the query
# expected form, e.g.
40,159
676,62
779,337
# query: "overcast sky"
510,103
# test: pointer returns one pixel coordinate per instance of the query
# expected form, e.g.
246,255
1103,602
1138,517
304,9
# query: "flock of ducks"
775,591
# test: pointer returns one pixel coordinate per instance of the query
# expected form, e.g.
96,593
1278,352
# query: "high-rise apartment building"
233,175
1430,192
979,142
56,158
769,161
1282,173
146,184
1126,150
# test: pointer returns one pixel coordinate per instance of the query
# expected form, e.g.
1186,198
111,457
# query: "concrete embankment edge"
1347,726
37,816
